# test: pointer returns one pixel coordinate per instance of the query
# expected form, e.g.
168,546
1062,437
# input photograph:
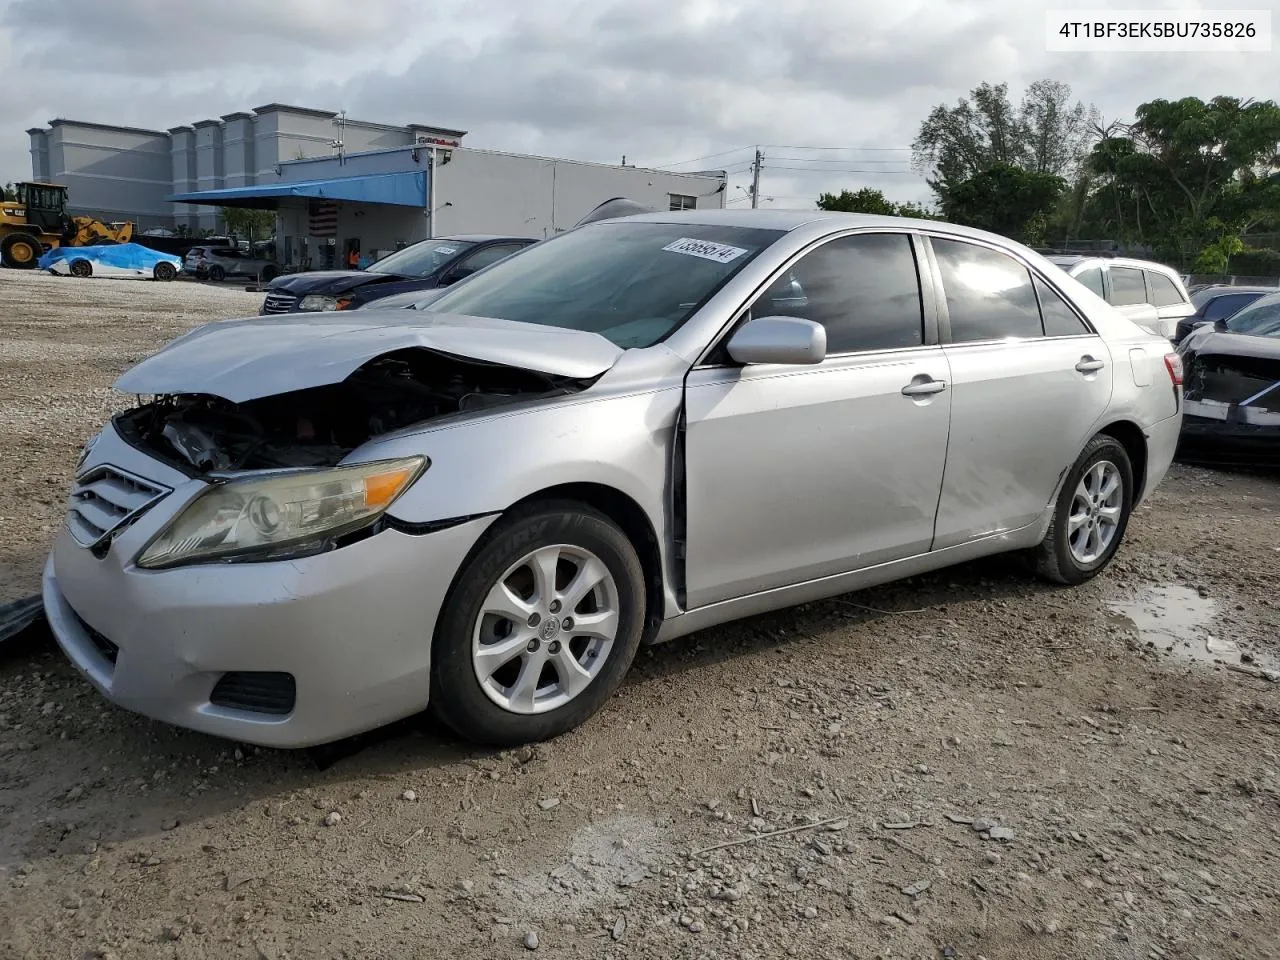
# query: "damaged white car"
324,522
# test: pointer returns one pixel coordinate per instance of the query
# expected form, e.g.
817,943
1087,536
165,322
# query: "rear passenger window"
1222,307
863,289
1127,287
1059,319
1091,278
989,295
1163,291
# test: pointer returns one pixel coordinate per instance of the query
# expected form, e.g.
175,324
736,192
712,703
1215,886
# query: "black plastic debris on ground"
20,616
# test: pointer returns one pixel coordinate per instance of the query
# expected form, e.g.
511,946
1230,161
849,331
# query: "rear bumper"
1162,442
1207,438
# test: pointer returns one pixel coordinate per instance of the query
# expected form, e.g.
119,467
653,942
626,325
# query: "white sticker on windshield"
719,252
446,250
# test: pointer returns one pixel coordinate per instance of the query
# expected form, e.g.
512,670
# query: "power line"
836,160
792,146
710,156
828,170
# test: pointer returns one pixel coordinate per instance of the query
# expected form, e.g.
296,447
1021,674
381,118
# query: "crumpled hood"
242,360
1209,340
328,282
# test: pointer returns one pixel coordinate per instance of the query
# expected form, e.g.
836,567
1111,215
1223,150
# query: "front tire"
80,268
217,274
164,271
1091,515
20,251
540,626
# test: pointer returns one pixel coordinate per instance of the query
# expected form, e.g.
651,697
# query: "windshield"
632,282
1259,318
420,259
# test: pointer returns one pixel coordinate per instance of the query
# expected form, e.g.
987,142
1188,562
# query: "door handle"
923,388
1089,365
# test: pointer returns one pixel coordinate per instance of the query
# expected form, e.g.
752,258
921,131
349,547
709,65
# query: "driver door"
795,473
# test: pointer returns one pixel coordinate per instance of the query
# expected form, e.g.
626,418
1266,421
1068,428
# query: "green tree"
866,200
1046,133
870,200
250,224
1187,172
1005,199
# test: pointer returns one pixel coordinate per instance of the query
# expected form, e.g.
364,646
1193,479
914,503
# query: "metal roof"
407,189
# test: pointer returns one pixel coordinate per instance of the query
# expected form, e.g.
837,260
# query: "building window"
680,201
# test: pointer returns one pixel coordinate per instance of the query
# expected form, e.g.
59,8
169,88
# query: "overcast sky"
661,81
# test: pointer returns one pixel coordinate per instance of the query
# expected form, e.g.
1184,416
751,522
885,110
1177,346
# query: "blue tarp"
127,256
408,189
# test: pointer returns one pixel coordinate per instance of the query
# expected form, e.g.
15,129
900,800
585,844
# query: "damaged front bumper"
280,653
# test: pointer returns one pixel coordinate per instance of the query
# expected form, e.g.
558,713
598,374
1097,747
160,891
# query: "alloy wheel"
1095,512
545,629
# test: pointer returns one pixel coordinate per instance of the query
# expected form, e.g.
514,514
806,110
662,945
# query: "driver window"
864,289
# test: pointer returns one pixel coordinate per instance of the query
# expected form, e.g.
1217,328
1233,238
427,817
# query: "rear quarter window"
1127,286
1164,292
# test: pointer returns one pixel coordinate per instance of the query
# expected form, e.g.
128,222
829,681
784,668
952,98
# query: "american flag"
324,218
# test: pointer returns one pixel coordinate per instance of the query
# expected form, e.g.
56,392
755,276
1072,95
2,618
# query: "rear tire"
20,251
1091,515
269,273
80,268
217,274
554,676
164,271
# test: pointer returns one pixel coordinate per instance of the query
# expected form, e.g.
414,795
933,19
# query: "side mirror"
779,340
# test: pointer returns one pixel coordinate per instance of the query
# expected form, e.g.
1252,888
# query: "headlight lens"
280,516
315,302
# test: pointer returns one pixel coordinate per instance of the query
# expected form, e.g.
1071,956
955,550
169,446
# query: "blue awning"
407,189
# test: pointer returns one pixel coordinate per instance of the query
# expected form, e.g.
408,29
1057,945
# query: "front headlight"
280,516
315,302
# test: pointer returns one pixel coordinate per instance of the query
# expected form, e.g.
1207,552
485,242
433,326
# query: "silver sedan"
640,428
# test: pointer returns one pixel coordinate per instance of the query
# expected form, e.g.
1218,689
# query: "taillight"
1173,363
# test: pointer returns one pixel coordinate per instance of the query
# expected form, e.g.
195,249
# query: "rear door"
1030,379
800,472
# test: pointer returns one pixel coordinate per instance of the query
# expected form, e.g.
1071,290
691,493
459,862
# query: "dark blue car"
425,265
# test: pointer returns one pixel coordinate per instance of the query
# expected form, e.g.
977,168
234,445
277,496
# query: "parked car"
1233,387
219,262
1218,302
419,266
123,261
624,434
1131,284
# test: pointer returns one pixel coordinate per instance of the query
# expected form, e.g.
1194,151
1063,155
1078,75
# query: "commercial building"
337,183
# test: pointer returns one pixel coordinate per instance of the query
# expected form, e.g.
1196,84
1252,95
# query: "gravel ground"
965,765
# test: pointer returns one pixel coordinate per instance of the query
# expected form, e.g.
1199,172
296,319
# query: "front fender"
486,465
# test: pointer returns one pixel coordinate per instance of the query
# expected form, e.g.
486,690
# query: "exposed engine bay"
321,425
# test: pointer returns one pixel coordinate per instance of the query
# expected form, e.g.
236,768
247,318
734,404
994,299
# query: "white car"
1150,294
129,261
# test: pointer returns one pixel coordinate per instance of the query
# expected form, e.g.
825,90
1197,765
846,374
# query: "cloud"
658,80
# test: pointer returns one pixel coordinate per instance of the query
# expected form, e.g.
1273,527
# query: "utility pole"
755,180
431,194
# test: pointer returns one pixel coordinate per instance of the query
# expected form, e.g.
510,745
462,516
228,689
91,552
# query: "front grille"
256,692
279,303
105,500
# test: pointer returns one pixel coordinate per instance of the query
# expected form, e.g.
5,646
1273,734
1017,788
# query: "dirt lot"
965,765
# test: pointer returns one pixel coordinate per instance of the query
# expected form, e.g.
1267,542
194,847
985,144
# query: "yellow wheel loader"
38,220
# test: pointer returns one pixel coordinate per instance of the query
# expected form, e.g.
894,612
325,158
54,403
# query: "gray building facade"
244,158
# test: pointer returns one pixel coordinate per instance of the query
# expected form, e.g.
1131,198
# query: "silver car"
1151,294
637,429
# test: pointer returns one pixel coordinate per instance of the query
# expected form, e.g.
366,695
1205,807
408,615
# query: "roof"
62,121
480,237
1224,288
774,219
309,111
408,189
